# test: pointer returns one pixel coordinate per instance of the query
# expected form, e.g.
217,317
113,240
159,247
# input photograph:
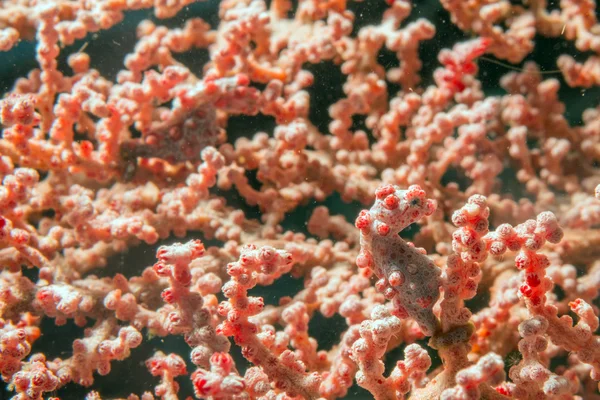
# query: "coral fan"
236,145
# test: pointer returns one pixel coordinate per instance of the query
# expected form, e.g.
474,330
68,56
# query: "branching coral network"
473,271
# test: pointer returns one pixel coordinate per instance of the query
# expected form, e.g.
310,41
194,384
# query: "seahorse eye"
415,202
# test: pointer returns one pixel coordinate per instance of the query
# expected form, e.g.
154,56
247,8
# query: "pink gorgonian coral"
177,199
